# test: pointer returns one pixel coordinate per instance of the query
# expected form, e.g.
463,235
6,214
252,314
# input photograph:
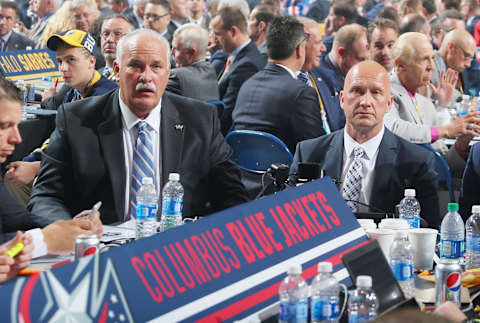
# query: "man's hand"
9,267
60,235
51,91
468,124
451,312
20,173
446,87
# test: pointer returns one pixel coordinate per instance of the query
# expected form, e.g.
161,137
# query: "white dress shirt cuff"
39,246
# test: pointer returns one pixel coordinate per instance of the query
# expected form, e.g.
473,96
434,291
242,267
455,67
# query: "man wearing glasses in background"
157,17
113,28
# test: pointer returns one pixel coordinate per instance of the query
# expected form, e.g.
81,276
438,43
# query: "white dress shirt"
130,135
368,169
288,70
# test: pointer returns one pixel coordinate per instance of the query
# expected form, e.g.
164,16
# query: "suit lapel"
239,56
405,98
387,154
111,141
172,134
334,156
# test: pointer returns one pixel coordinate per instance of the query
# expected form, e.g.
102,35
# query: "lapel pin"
179,127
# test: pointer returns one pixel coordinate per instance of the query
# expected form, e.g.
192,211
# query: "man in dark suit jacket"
193,77
91,152
274,100
388,164
10,40
157,17
470,191
230,28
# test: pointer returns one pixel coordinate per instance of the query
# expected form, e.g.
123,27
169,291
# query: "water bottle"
325,295
401,261
409,209
362,303
172,203
452,233
472,239
293,292
146,209
464,106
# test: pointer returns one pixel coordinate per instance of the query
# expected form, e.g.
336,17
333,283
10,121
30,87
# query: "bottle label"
358,318
171,207
473,242
294,312
403,271
146,211
413,222
452,249
323,310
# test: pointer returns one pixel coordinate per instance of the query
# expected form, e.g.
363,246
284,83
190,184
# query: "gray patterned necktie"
353,179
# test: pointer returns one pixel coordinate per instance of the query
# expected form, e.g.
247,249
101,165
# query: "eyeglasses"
466,55
305,38
116,34
154,17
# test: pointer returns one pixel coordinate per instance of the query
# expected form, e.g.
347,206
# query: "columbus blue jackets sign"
28,64
222,268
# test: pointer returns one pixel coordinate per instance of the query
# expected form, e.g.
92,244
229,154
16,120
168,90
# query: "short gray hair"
78,3
403,48
241,5
132,36
193,36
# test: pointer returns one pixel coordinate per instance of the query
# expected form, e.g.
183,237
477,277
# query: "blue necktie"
303,76
142,163
353,179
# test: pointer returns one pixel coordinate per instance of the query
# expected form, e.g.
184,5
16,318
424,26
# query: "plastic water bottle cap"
410,192
147,180
476,209
295,270
452,207
325,267
174,177
400,234
364,281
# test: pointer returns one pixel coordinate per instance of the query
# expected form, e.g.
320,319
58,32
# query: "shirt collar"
130,119
288,70
6,37
262,46
370,146
238,50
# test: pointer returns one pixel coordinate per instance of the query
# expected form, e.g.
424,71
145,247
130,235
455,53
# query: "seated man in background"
382,34
83,14
193,77
274,100
75,52
413,116
58,237
99,150
112,29
373,165
9,39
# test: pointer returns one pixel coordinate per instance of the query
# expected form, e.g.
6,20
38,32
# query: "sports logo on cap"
454,281
75,38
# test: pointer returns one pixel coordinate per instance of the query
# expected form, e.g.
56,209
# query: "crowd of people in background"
354,85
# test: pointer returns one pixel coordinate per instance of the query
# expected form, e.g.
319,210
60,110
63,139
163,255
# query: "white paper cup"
384,238
423,242
394,224
367,224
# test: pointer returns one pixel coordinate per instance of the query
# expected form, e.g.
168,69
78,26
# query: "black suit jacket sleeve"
52,103
173,84
426,190
14,217
226,189
470,191
307,121
51,188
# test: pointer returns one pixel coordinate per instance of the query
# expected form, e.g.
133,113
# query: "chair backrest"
256,151
443,171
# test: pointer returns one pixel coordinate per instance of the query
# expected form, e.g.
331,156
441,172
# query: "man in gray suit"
194,77
44,9
413,116
10,40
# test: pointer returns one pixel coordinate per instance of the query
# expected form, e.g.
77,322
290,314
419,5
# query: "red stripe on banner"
268,292
24,306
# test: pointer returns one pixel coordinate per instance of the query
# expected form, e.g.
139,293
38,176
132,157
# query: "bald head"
365,99
458,49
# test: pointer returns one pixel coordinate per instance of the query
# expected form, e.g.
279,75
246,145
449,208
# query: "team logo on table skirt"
84,294
454,282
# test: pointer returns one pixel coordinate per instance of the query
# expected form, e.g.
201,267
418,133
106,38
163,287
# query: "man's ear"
262,26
